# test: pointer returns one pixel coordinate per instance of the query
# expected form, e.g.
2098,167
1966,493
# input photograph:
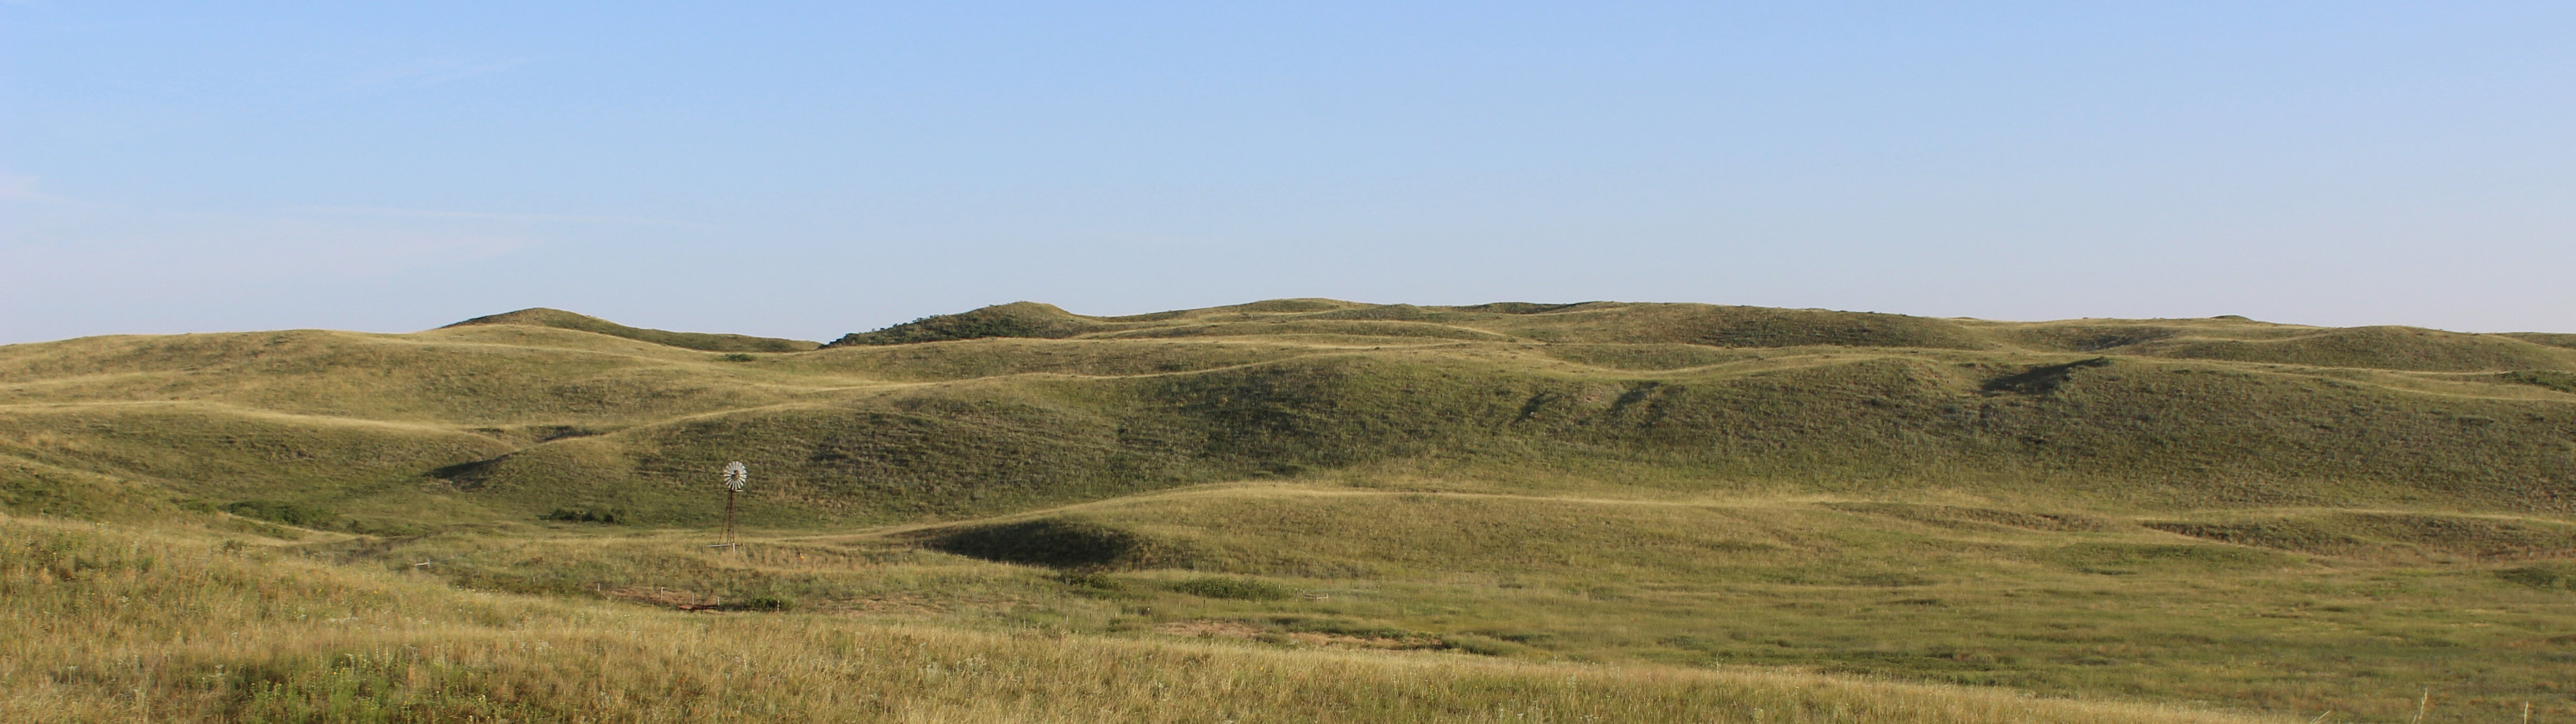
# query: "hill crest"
2228,337
560,319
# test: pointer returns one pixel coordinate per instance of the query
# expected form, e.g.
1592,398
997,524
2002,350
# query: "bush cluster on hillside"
294,514
1242,589
585,515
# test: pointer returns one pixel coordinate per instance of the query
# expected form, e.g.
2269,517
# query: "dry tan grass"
125,626
1591,448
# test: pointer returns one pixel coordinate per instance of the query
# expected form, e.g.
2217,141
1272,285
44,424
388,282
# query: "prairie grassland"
510,421
474,429
125,626
2270,517
2377,611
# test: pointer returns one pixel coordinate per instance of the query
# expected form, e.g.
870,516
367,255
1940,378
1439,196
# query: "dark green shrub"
1093,582
1244,589
2545,575
386,528
1890,580
283,512
584,515
2552,379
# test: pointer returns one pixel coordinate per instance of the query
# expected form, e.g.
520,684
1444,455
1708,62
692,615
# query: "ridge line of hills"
559,319
940,418
1685,323
2303,518
1723,326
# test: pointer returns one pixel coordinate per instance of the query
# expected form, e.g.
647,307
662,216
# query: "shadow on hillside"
2043,379
1052,543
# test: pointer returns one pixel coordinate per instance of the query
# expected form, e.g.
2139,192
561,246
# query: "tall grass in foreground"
116,625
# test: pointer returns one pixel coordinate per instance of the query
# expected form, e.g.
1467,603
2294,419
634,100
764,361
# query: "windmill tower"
734,476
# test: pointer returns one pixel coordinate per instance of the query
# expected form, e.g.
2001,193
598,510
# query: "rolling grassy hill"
509,421
2266,517
559,319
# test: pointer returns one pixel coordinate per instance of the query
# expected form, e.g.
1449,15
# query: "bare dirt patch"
664,597
1210,628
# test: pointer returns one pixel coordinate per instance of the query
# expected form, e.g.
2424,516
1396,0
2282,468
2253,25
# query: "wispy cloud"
22,188
433,214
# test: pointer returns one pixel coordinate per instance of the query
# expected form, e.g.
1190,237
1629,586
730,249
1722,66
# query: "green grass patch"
2552,379
2553,576
1230,587
295,514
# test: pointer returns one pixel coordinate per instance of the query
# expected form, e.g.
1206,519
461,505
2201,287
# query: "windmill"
734,476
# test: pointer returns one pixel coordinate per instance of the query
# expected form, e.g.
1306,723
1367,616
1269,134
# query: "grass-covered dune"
1325,501
964,415
543,317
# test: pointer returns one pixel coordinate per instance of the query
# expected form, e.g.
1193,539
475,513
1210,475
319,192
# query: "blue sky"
811,170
